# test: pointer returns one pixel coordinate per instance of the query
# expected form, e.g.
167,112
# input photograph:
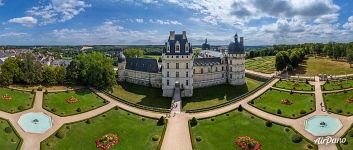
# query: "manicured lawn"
214,95
349,137
142,95
261,64
271,101
294,85
338,85
8,139
320,65
338,102
18,101
221,134
135,132
57,102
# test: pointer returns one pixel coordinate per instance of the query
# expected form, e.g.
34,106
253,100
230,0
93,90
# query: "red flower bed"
247,143
72,100
107,141
6,97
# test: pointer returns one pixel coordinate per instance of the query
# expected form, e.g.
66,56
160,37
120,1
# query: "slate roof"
61,62
182,42
207,61
142,64
210,53
206,46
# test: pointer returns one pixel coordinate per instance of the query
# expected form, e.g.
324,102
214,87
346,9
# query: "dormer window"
168,47
177,47
186,47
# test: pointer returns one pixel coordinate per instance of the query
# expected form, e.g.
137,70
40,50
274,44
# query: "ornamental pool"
35,122
323,125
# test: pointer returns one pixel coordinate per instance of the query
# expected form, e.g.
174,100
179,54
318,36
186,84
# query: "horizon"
139,22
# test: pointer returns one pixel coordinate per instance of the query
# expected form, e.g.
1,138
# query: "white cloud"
165,22
139,20
349,24
25,21
58,10
14,35
329,18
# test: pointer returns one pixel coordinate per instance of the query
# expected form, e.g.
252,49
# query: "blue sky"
136,22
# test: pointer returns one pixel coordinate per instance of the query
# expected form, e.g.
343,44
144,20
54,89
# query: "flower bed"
72,100
247,143
107,141
6,97
350,100
286,102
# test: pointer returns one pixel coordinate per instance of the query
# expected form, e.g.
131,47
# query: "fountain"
323,125
35,122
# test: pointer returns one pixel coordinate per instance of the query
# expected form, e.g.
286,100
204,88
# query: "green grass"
135,132
56,102
319,65
296,85
222,133
214,95
261,64
270,102
142,95
335,102
20,100
338,85
152,56
9,141
349,139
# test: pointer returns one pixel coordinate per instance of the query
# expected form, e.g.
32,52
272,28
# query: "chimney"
184,35
242,40
172,35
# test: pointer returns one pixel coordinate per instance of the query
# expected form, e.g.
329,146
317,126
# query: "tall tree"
10,71
31,70
349,54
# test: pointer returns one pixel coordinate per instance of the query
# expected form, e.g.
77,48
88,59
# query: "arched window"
201,70
177,47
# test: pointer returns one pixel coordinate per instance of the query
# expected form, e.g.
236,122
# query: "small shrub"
21,108
8,129
88,121
33,91
268,124
293,115
143,119
339,110
302,111
48,144
67,91
116,108
68,127
309,146
279,111
198,138
296,138
240,108
306,81
60,134
40,88
291,92
350,133
227,114
155,138
78,109
53,110
161,121
252,102
193,121
286,129
13,140
46,92
212,119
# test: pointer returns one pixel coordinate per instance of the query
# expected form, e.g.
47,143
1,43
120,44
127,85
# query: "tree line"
93,69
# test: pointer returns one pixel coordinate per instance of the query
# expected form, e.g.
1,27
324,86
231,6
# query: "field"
58,104
142,95
261,64
135,132
297,104
314,66
13,101
214,95
8,138
294,85
338,85
222,132
340,103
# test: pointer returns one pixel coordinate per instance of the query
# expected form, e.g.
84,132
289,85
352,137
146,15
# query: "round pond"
35,122
323,125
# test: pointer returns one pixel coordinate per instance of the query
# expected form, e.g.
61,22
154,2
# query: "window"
231,76
187,74
186,47
177,65
167,82
167,65
176,56
167,73
222,75
216,69
231,61
222,68
231,69
177,74
177,47
187,65
187,82
194,70
201,70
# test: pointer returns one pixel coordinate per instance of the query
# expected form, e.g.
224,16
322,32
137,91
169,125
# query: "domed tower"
236,61
121,66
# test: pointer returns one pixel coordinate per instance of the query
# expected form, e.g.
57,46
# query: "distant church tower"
236,62
177,63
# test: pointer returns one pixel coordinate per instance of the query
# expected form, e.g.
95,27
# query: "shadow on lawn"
225,91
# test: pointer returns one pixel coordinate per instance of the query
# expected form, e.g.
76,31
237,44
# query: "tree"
193,121
349,55
49,75
10,71
240,108
281,61
133,52
60,74
31,70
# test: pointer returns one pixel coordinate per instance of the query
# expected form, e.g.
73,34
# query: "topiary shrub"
339,110
60,134
252,102
193,121
40,88
53,110
46,92
286,129
8,129
279,111
21,108
161,121
78,109
296,138
88,121
155,138
116,108
240,108
302,111
33,91
198,138
268,124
